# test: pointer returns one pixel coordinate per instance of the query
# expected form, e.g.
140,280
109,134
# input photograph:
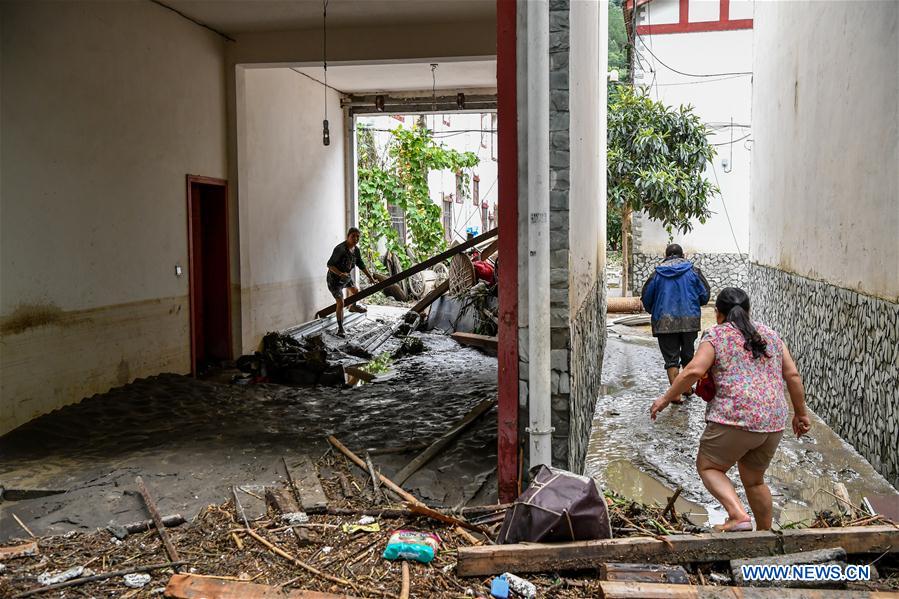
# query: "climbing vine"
401,179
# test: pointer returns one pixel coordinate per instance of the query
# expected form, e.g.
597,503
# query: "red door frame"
191,270
507,132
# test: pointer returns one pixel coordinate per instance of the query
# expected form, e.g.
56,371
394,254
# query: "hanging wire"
433,87
325,50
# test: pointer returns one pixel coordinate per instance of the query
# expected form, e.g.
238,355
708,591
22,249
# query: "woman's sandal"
745,525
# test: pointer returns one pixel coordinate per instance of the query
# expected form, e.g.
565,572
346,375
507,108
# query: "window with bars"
398,221
485,217
460,195
447,216
475,190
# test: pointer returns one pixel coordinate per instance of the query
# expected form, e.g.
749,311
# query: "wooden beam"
442,288
644,590
411,271
304,479
361,464
437,446
27,550
186,586
671,549
480,341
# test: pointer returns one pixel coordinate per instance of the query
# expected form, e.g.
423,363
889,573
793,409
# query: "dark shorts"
677,348
336,285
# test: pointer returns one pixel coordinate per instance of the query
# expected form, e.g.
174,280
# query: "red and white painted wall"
699,53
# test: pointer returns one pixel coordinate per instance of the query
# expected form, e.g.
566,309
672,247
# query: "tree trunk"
625,250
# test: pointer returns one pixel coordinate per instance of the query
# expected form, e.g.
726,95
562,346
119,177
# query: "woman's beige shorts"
726,445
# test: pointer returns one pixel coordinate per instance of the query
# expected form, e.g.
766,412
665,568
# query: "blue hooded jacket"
673,295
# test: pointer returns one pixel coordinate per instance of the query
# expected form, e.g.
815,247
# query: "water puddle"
627,480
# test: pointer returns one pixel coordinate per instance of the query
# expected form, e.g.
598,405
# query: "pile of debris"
284,359
334,529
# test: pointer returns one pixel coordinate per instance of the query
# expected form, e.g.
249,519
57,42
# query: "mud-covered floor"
192,440
647,460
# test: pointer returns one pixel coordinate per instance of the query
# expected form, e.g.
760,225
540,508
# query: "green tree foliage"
656,159
618,41
401,180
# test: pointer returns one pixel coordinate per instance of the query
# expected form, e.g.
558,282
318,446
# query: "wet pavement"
191,440
646,461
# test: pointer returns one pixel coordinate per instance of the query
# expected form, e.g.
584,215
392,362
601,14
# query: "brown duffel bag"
557,506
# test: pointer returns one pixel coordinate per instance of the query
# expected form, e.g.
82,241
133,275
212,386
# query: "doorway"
209,270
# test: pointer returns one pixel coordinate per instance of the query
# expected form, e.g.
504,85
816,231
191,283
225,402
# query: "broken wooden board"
282,500
438,445
24,550
411,271
358,373
835,556
645,590
252,500
305,477
479,341
656,573
671,549
186,586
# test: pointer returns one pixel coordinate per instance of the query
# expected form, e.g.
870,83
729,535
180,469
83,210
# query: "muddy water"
646,460
191,440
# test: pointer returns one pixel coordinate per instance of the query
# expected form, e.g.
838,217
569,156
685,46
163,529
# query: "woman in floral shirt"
748,363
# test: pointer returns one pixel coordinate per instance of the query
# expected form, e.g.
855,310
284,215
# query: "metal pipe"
539,398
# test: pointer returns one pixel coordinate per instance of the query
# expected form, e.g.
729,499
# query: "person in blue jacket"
673,294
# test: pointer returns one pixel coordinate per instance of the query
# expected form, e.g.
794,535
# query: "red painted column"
684,12
507,125
724,16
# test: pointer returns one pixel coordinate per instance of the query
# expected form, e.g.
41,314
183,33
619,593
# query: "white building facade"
699,53
466,205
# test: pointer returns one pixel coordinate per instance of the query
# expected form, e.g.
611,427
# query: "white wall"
825,180
461,134
587,136
292,199
105,108
716,100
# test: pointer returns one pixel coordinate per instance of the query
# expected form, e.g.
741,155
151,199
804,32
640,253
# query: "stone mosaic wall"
720,270
846,346
560,185
588,340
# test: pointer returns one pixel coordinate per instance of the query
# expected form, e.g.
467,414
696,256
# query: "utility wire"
728,143
307,75
670,68
727,214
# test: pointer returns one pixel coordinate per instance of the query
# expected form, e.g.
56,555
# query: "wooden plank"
644,590
360,374
447,438
252,500
854,539
431,297
411,271
282,500
671,549
443,287
312,496
24,550
473,340
186,586
656,573
157,519
361,464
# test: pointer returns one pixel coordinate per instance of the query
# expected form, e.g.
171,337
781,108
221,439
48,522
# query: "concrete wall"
105,108
825,224
723,241
587,218
826,118
578,53
292,199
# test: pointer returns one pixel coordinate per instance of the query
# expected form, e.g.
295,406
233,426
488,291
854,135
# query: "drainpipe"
539,428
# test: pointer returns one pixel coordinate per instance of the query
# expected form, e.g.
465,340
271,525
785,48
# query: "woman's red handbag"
705,388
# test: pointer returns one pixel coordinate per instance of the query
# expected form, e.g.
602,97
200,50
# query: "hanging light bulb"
326,135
